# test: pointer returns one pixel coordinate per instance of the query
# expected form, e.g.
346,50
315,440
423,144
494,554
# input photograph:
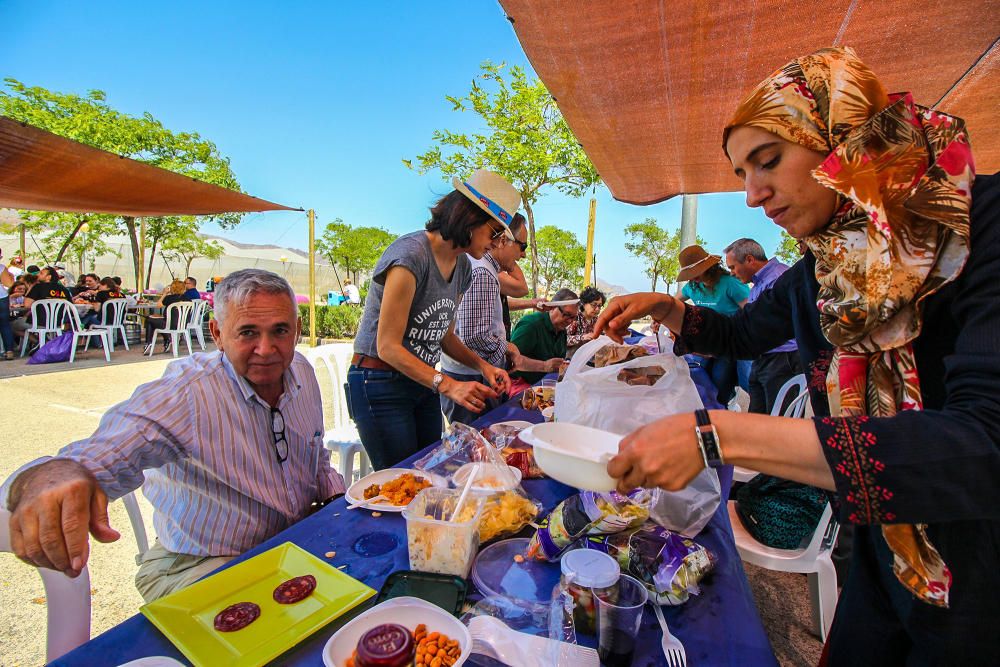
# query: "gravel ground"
55,405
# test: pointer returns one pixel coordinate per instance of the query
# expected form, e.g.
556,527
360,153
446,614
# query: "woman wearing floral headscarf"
896,311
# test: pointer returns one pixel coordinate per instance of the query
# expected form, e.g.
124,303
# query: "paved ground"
44,407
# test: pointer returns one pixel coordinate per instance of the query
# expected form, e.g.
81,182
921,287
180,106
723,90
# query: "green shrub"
332,321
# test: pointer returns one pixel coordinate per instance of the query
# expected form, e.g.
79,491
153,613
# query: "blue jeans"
395,416
6,333
722,370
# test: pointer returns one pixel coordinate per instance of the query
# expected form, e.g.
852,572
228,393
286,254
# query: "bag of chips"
670,564
587,513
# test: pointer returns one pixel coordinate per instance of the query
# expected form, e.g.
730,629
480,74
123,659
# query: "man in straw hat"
409,316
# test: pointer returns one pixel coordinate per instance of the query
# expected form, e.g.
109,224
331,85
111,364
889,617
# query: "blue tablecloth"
719,627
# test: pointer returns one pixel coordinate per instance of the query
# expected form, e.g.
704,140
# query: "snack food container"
436,543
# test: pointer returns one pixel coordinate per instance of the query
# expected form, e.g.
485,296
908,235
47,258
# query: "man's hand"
663,454
539,307
623,310
553,364
54,506
470,395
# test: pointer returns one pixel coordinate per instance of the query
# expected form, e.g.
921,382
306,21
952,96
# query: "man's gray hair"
238,286
743,248
565,295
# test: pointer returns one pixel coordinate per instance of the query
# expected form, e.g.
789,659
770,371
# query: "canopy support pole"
140,290
689,220
312,278
589,265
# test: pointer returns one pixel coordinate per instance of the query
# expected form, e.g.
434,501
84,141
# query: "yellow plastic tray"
187,616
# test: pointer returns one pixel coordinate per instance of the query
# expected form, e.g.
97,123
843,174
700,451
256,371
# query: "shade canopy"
41,171
647,85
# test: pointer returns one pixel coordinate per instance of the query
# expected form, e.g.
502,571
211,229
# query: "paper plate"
557,304
356,493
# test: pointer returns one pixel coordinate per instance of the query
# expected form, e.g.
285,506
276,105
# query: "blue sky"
316,104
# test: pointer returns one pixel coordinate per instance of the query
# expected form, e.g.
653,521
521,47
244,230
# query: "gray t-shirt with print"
434,302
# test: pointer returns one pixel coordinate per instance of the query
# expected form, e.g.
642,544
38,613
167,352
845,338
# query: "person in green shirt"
543,335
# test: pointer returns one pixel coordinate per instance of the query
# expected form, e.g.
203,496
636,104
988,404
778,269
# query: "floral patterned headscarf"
904,174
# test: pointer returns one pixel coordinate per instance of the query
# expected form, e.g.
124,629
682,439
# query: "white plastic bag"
595,397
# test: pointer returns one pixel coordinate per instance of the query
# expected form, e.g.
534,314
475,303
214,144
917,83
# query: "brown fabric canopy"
647,85
41,171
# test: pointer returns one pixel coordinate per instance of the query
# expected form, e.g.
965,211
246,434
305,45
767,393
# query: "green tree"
656,247
355,249
788,249
561,257
90,120
189,246
526,140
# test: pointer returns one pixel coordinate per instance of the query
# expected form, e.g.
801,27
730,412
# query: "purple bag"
57,349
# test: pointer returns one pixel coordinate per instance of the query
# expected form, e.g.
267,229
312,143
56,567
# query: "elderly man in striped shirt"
480,326
227,446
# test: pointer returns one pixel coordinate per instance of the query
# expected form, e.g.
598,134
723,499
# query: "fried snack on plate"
403,489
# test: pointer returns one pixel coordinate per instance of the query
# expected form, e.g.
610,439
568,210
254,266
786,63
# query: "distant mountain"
610,289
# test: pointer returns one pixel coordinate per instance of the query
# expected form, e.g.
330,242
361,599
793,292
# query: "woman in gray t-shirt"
409,319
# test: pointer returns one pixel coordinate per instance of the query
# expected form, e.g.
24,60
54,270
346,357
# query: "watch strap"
708,440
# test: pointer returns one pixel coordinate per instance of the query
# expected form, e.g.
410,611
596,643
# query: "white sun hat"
492,193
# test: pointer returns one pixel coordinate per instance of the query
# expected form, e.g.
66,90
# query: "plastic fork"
673,650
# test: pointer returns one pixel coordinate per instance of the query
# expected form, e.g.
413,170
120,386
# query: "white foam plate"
486,469
356,493
406,611
153,661
557,304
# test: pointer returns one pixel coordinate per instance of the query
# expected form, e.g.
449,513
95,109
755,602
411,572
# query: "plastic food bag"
461,444
506,513
670,565
587,513
596,397
689,510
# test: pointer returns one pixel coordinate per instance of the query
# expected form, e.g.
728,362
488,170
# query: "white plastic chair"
138,526
79,332
343,436
796,409
179,312
67,603
113,312
54,312
814,560
197,320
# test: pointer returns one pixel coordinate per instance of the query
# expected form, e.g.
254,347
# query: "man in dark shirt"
191,289
543,335
47,287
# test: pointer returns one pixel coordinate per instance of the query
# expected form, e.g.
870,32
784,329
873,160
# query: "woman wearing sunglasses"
409,318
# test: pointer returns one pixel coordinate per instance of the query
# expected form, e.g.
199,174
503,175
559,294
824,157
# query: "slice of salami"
295,589
236,616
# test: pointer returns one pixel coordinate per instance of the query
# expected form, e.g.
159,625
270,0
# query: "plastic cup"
619,614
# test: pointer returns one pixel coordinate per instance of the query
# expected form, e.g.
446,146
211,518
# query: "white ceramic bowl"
573,454
406,611
486,470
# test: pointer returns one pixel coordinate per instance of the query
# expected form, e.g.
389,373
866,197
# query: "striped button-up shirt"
203,440
479,320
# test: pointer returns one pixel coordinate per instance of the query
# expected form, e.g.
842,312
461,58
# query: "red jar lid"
389,645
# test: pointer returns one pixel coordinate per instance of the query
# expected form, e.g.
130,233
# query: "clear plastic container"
585,574
436,542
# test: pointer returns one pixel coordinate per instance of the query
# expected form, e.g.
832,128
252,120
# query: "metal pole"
23,232
589,264
312,278
689,221
142,258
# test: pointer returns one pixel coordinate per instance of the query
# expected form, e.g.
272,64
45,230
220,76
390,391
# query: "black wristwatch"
708,440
